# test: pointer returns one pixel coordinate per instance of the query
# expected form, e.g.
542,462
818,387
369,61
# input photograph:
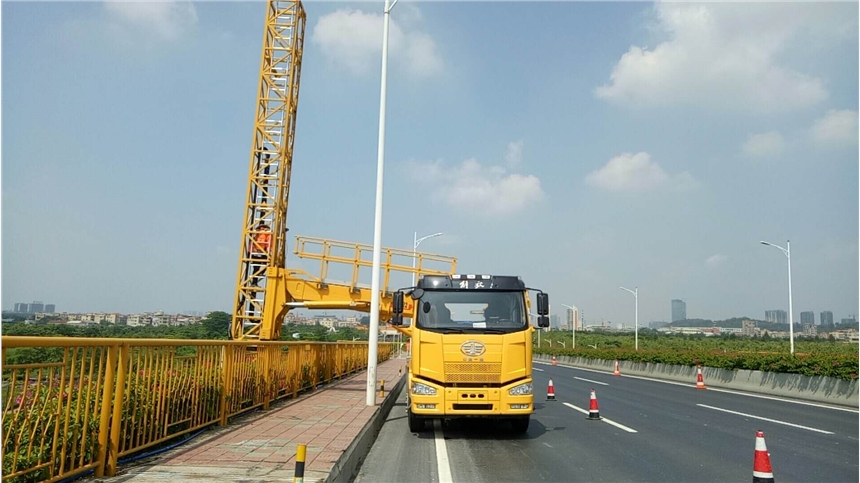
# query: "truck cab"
471,349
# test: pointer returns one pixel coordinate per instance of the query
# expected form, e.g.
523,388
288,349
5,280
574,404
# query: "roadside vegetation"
812,357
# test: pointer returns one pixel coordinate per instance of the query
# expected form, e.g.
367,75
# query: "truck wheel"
416,424
520,425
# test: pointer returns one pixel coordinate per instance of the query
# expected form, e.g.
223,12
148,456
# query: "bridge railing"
76,404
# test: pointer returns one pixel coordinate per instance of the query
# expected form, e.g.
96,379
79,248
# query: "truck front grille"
486,372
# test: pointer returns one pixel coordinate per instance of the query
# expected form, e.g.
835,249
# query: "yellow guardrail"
86,402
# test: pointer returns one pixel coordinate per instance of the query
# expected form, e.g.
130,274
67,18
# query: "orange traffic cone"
553,361
762,472
617,369
550,392
593,411
700,381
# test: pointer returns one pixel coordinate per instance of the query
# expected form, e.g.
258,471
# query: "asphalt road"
681,434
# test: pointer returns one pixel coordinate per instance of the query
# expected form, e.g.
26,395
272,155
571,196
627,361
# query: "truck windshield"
472,311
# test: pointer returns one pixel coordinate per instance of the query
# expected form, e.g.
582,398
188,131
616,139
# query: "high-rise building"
850,320
807,318
776,316
679,310
554,320
22,308
36,307
826,318
573,321
50,308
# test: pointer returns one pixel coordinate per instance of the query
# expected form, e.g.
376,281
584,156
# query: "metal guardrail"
83,403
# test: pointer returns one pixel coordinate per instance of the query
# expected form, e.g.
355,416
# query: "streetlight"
372,348
417,241
573,324
636,295
787,252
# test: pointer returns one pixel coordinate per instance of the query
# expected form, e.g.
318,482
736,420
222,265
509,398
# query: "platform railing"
76,404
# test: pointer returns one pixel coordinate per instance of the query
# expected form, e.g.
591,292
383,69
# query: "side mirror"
396,319
397,303
543,304
543,321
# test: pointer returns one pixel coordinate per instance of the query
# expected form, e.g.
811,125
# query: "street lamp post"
573,325
787,252
417,241
635,293
372,349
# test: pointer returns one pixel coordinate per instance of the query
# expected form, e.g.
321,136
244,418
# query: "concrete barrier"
811,388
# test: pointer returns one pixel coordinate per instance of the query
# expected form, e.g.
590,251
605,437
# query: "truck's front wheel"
520,425
416,423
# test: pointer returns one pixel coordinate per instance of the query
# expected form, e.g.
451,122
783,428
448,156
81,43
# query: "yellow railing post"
113,448
227,381
104,420
266,368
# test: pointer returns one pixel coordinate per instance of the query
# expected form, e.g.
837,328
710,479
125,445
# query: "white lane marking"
617,425
711,388
535,368
589,380
443,467
765,419
548,445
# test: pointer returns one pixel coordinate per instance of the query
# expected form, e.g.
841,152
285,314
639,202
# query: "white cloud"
764,145
352,39
166,20
477,189
514,156
835,128
637,173
727,56
715,261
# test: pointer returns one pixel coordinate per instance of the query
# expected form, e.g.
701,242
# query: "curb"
346,467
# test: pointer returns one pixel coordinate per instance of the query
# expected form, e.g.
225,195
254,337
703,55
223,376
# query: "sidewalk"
261,447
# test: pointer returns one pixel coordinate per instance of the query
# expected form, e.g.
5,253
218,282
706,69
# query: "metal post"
372,349
636,320
787,252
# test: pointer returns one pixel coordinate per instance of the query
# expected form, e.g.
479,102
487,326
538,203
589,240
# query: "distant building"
776,316
50,308
807,318
809,330
22,308
849,321
36,307
748,328
573,319
554,320
826,318
657,324
679,310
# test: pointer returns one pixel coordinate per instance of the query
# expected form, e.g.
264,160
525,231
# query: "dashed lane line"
765,419
589,380
605,420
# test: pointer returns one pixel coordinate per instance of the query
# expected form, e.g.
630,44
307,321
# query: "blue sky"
582,146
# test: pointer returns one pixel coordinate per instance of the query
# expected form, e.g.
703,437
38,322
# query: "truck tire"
416,424
520,425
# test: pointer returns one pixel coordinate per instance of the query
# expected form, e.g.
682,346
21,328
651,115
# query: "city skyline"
602,157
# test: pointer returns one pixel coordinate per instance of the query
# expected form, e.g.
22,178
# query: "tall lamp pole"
573,324
787,252
635,295
417,241
373,330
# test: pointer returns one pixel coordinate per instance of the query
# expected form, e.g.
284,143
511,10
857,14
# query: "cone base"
550,398
597,418
757,479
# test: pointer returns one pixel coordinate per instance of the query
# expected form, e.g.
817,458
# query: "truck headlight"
521,390
423,389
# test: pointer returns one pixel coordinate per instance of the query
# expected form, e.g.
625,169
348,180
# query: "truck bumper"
449,402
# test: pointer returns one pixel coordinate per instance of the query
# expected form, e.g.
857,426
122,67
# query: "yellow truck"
471,348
